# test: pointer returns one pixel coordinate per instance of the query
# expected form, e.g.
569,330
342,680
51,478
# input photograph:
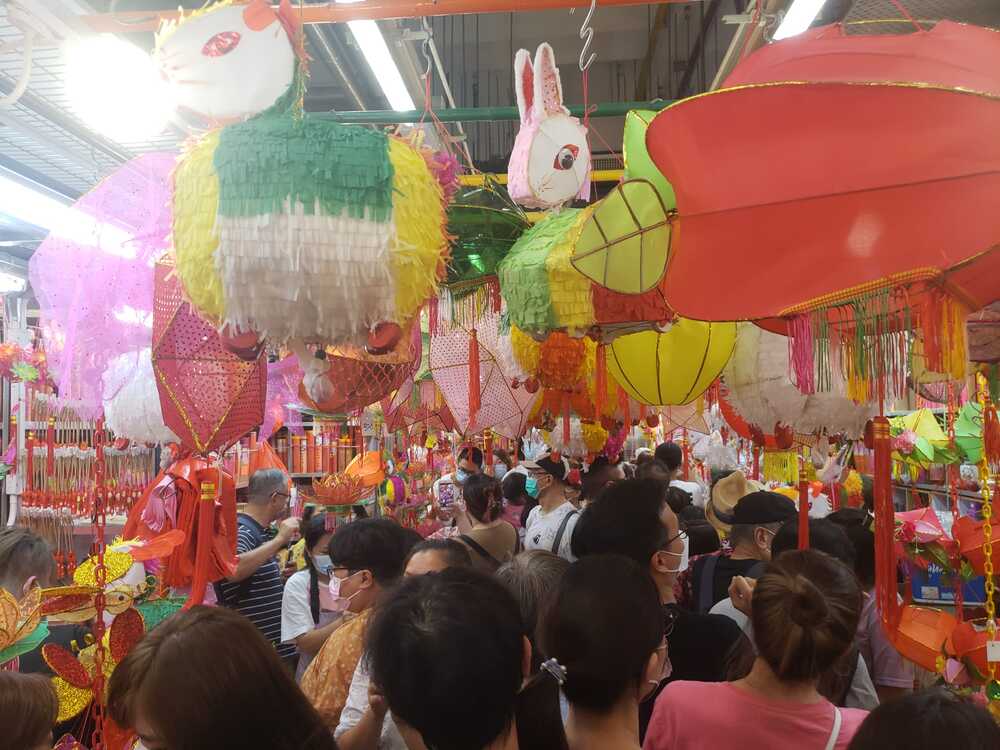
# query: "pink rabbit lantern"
550,162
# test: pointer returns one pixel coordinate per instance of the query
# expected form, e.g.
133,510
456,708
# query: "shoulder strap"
480,549
562,530
835,732
757,570
706,584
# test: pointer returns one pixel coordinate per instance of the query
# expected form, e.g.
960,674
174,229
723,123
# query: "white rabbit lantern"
245,43
550,162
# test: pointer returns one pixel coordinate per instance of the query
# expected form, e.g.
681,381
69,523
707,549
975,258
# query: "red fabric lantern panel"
864,162
359,378
210,396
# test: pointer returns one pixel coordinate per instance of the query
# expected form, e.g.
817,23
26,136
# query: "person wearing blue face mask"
307,613
448,488
551,523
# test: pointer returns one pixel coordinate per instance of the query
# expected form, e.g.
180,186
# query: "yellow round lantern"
671,368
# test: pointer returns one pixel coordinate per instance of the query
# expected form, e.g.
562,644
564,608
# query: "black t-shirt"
725,570
699,647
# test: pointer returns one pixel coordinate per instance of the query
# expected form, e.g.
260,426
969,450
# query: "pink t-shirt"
703,715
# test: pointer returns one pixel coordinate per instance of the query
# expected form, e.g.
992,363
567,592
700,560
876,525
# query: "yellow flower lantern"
671,368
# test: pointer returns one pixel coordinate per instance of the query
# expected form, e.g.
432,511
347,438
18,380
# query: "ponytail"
314,526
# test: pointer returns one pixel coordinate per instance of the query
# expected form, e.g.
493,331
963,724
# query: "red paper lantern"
864,163
210,396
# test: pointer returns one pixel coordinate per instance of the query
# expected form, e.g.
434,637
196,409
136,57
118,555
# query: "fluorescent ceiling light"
798,18
376,52
117,89
61,220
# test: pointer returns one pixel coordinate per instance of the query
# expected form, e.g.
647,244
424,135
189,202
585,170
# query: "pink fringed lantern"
283,379
93,277
417,403
210,396
502,408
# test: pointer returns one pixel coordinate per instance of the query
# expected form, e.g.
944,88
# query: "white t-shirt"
695,490
296,616
357,704
541,529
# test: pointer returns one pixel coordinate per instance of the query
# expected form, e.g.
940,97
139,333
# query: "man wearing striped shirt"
255,589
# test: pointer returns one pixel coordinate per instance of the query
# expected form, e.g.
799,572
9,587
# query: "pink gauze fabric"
93,277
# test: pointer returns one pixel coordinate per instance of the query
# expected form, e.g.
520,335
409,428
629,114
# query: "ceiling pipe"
480,114
317,37
373,10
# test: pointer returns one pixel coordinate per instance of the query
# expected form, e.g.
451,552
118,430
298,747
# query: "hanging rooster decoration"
287,226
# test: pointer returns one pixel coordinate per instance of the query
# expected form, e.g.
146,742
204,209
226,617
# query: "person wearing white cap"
551,523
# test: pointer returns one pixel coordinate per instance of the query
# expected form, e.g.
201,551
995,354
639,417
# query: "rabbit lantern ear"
524,85
548,86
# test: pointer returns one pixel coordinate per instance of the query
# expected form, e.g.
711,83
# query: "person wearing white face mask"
606,648
632,518
551,523
307,615
366,558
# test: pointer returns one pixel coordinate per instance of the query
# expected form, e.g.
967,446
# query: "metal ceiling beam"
375,10
25,172
659,23
479,114
61,120
711,13
318,37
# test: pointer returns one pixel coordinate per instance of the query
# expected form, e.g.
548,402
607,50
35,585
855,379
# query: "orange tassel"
600,380
475,390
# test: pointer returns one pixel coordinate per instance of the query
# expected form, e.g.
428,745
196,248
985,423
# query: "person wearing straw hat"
749,517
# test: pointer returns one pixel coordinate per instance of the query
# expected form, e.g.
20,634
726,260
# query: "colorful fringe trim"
868,341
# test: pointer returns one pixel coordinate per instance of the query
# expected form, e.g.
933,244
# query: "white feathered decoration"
132,403
761,392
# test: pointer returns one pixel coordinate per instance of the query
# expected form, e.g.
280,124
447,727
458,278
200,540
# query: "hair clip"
555,669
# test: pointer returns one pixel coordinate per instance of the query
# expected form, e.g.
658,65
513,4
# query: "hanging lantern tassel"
565,420
991,428
203,548
803,510
600,381
475,391
885,523
50,447
488,447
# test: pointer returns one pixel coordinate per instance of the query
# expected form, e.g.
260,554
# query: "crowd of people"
610,613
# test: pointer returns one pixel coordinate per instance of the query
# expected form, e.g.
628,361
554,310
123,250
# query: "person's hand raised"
741,593
288,530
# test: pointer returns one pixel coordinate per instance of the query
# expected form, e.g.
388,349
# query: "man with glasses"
632,518
255,589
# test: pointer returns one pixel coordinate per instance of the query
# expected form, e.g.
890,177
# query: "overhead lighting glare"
62,220
373,47
117,89
798,18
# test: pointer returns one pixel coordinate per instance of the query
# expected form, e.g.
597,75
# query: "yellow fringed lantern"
783,467
594,436
671,368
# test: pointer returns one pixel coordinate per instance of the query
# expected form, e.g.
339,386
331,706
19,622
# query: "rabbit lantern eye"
221,44
566,157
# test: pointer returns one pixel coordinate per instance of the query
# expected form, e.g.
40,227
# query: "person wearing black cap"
551,523
754,522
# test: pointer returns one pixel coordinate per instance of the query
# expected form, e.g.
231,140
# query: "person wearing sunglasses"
255,589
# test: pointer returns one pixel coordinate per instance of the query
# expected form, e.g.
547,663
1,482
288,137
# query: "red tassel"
991,435
687,452
493,287
565,413
756,463
203,548
803,511
50,442
488,447
885,524
600,381
475,391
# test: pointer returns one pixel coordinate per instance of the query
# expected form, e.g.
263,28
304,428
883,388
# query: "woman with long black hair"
304,620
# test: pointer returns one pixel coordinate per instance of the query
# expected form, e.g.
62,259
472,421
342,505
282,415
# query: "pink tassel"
800,353
475,391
